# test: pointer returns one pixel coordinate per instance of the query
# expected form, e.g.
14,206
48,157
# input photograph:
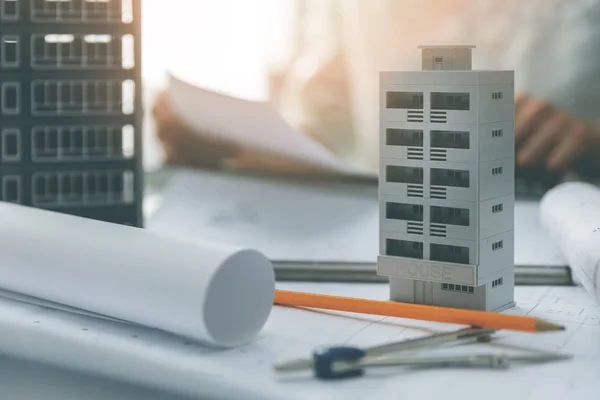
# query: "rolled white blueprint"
570,213
218,295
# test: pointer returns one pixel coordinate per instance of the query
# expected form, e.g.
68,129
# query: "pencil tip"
543,326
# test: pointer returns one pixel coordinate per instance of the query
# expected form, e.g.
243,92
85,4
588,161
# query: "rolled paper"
216,294
570,213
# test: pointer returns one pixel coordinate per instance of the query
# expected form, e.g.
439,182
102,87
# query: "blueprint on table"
149,357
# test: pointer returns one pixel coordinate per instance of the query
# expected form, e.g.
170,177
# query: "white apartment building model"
446,186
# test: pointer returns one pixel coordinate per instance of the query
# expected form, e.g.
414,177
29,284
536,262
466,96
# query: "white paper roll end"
239,299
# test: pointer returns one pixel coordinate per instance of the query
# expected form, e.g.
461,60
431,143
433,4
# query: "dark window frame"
399,137
4,43
404,100
400,174
449,253
455,180
450,215
399,211
450,139
450,101
404,248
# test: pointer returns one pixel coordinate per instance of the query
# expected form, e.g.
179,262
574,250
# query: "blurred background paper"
255,127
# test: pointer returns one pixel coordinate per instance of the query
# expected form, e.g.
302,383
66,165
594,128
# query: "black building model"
70,107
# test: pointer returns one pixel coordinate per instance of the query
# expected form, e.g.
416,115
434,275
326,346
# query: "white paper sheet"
162,361
219,295
570,213
252,124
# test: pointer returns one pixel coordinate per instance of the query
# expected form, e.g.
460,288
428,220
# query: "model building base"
497,295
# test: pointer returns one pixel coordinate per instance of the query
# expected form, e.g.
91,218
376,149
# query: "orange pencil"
480,319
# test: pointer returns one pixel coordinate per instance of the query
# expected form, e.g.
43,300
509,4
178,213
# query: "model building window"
497,95
404,248
10,97
11,145
403,211
11,187
451,287
449,177
498,208
498,282
450,215
404,137
497,133
9,10
405,100
9,51
450,101
497,171
399,174
497,245
448,253
450,139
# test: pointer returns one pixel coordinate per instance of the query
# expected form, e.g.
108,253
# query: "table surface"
292,332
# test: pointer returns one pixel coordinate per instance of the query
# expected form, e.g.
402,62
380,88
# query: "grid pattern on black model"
70,107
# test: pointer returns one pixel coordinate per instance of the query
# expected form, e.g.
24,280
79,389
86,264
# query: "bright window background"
219,44
222,44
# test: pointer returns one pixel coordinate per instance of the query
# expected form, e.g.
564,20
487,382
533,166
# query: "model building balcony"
418,104
464,143
437,218
403,178
469,143
441,180
402,142
428,248
456,220
467,220
452,145
453,181
446,97
404,106
402,215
